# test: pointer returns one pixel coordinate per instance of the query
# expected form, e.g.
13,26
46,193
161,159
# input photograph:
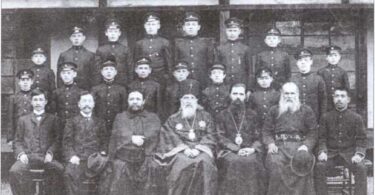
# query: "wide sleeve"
224,142
322,143
209,139
360,137
68,140
168,138
19,141
311,131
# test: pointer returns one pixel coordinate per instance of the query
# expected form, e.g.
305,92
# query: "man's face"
217,76
264,80
39,102
77,39
109,72
272,40
135,101
189,101
191,28
113,34
143,70
25,83
238,95
38,58
290,94
233,33
86,103
181,74
341,99
68,76
334,57
304,64
152,27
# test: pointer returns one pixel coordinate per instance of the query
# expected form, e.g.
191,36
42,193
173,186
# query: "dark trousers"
21,182
359,170
74,176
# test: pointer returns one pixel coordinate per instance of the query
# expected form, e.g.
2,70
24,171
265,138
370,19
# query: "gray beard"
291,107
188,112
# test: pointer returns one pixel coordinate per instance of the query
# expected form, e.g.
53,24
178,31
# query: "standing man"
20,103
187,148
84,136
197,51
241,151
342,140
274,58
156,48
234,54
311,86
35,147
290,129
121,52
84,59
134,138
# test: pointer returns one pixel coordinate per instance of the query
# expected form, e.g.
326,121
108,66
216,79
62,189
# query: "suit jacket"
86,71
83,137
35,137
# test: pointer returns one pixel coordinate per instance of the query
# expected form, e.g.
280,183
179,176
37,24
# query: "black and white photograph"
176,97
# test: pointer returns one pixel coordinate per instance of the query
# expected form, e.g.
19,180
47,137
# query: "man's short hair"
83,93
238,85
37,91
342,89
263,70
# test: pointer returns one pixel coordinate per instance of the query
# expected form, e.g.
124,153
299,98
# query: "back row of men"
191,153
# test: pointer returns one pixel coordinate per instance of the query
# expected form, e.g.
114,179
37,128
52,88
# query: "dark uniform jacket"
37,137
65,101
126,125
173,94
158,49
176,131
237,58
44,78
124,62
110,99
312,92
198,52
302,123
83,137
278,61
334,77
215,98
86,70
342,133
19,105
227,132
151,90
262,100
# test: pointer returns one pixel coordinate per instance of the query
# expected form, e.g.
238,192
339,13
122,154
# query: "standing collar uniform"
124,61
312,92
44,78
198,52
334,77
237,58
262,100
85,61
110,99
278,61
19,105
65,101
215,98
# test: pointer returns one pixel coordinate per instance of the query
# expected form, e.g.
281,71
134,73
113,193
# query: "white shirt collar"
38,112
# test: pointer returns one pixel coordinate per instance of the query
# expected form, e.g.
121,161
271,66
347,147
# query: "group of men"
196,119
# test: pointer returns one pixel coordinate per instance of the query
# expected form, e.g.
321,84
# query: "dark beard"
237,106
133,111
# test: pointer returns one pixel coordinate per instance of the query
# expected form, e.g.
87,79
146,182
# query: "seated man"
240,157
289,129
134,138
84,137
342,140
35,145
187,145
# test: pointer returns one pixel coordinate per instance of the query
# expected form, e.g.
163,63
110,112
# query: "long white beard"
285,106
188,112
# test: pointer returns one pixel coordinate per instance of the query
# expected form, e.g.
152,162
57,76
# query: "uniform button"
37,69
191,47
75,59
232,51
303,85
108,121
113,46
112,53
272,64
108,111
303,77
191,41
232,75
150,47
276,73
24,102
216,102
108,94
272,57
332,88
25,95
217,88
216,110
191,55
67,95
151,40
304,94
76,51
333,75
264,98
192,63
37,75
109,87
24,110
265,106
66,103
192,71
37,87
37,81
217,95
108,103
332,81
149,55
66,112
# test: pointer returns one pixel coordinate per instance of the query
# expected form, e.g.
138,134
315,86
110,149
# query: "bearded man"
187,148
134,137
289,129
241,151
